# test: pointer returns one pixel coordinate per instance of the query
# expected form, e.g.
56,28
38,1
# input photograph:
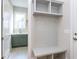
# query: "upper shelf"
57,2
47,7
46,13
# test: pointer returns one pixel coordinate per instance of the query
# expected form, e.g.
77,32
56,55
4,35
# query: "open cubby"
59,56
45,57
42,6
56,8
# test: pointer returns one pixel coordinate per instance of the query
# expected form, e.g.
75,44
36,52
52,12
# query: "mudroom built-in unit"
44,22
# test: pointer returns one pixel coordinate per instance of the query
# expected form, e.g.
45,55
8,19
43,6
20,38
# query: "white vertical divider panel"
34,5
29,28
50,6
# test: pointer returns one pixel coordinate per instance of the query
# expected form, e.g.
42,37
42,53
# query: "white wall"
7,18
45,31
20,3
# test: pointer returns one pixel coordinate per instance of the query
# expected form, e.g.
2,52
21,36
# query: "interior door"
74,28
6,29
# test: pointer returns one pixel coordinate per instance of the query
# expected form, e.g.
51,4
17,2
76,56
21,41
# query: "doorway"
15,29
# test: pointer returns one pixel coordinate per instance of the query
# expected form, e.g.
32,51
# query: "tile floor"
19,53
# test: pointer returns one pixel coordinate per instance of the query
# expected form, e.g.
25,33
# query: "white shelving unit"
47,7
45,29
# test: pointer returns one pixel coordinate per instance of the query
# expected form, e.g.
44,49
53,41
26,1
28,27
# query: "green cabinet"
19,40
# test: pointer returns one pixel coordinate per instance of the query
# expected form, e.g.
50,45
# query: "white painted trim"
29,28
72,17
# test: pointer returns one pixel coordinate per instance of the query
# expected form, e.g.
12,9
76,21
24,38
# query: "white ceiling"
20,3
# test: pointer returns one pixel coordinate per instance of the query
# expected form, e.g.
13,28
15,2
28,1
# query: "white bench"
49,51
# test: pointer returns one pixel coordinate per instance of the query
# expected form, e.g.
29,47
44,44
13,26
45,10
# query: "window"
19,22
